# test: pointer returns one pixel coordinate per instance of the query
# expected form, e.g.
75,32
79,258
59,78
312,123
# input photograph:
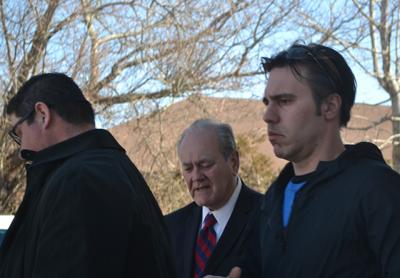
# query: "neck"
67,131
76,130
327,151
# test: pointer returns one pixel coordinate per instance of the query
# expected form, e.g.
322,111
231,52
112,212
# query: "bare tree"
369,32
127,53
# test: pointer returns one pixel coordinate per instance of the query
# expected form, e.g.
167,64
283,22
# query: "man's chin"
201,201
279,153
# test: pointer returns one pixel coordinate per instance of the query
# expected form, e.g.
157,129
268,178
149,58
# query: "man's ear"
43,114
330,107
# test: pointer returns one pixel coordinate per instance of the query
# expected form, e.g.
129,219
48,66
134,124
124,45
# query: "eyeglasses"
13,134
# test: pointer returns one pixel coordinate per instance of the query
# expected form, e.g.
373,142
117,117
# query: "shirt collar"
223,214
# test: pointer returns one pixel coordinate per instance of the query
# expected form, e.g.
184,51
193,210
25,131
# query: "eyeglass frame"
13,134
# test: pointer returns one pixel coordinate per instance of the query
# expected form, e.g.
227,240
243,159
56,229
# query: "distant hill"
150,141
148,138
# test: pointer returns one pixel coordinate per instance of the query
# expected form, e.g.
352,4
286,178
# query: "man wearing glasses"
87,211
334,210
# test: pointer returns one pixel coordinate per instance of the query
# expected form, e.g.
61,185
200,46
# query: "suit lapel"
191,229
235,226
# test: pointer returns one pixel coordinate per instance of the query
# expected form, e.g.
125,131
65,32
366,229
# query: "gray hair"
224,133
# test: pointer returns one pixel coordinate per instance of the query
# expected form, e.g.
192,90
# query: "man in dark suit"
210,164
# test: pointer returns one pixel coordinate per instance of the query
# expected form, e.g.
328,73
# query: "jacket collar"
327,169
92,139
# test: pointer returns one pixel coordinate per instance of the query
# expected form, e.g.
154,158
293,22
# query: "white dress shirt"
223,214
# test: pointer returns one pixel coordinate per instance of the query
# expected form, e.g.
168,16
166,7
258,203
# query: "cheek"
27,144
300,122
186,178
212,175
31,145
31,139
217,178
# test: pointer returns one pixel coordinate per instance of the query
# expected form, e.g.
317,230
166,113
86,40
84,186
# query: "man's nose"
197,174
270,114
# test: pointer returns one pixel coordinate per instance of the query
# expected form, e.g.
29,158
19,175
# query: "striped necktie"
206,241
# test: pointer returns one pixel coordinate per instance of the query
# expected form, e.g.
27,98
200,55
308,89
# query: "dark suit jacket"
184,224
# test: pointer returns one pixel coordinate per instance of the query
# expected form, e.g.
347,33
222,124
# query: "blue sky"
368,89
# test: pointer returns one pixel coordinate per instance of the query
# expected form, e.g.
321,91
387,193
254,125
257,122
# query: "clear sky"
368,89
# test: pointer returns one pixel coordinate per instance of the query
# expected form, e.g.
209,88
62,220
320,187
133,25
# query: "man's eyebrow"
281,95
278,96
203,160
284,94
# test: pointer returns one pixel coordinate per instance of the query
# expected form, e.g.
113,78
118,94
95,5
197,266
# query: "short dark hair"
224,132
59,92
324,69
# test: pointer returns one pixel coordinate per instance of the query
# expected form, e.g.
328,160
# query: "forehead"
199,143
283,80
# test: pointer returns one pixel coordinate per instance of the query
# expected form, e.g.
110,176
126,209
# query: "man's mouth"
274,135
201,187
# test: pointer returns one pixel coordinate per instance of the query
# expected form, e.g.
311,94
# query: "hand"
235,273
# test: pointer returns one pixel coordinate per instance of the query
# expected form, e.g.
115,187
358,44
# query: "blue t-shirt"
290,194
294,185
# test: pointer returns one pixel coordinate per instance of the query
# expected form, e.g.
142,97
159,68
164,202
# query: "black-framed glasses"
13,134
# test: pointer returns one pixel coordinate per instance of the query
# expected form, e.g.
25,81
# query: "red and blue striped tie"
206,241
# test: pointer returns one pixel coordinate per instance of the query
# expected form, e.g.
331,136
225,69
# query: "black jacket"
345,222
184,224
87,212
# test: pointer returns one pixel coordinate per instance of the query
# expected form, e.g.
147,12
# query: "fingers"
235,272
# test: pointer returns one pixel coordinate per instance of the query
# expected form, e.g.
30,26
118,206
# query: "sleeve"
84,228
251,263
381,213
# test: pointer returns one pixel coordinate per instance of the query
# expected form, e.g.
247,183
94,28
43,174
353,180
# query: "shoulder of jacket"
181,212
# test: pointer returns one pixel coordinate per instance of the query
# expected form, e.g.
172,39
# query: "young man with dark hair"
334,210
87,211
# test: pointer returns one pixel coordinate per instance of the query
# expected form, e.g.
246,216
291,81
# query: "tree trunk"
396,131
